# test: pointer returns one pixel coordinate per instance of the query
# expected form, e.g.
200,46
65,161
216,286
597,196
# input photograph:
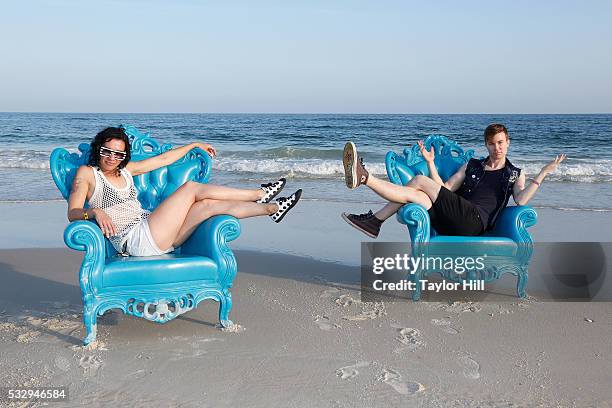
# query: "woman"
107,185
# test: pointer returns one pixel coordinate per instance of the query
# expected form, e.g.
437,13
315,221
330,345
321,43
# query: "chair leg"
416,278
521,284
224,310
89,318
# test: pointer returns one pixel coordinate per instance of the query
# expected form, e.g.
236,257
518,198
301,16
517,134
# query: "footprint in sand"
444,325
369,311
346,300
90,364
325,324
412,338
471,368
394,379
328,293
348,372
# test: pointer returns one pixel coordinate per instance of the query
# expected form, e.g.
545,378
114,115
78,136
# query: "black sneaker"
271,190
366,223
285,204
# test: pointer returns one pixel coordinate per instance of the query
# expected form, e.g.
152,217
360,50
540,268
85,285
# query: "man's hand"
552,166
105,222
429,156
522,194
207,148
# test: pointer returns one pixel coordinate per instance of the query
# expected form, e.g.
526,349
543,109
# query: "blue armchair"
157,288
508,246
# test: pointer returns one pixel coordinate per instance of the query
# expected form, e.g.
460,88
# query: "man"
468,203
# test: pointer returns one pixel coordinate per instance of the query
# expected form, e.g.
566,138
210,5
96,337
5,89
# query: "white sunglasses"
117,154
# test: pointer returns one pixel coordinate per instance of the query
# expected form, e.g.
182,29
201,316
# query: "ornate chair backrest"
152,187
449,157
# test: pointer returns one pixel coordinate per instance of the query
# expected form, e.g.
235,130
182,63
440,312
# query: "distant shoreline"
311,113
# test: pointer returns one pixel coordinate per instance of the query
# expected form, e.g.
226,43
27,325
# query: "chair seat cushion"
150,270
472,246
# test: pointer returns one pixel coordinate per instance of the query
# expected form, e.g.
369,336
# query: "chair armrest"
416,218
210,239
513,223
204,174
87,236
397,171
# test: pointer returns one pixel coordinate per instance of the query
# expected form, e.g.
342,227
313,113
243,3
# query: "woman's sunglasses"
110,153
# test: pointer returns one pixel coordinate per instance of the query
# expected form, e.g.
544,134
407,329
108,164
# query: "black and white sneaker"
285,204
271,190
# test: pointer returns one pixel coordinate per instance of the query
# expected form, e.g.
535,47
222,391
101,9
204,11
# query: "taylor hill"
447,285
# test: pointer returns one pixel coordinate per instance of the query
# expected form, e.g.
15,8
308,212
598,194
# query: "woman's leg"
203,210
171,226
202,191
167,219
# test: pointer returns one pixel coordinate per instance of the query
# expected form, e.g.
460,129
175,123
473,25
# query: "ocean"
307,149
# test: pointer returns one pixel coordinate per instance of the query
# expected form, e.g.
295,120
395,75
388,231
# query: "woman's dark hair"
104,136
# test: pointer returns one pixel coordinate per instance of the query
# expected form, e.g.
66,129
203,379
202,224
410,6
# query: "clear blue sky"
310,56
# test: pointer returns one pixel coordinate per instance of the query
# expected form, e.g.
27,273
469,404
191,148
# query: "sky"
306,56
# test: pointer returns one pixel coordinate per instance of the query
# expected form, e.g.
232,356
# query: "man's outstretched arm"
429,156
521,193
456,180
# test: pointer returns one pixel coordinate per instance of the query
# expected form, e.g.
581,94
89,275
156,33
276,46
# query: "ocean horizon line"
320,113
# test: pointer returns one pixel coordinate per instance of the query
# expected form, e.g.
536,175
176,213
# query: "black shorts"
452,214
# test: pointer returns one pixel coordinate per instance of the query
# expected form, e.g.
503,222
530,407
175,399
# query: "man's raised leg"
420,190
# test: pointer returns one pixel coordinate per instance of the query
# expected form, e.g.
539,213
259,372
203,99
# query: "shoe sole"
284,180
349,222
298,195
349,158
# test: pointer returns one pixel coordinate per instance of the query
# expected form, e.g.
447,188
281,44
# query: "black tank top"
488,195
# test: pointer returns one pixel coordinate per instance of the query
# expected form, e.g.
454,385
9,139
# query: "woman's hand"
429,156
207,148
105,222
552,166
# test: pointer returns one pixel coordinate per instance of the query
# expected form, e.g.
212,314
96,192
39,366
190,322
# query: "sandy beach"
510,101
303,337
